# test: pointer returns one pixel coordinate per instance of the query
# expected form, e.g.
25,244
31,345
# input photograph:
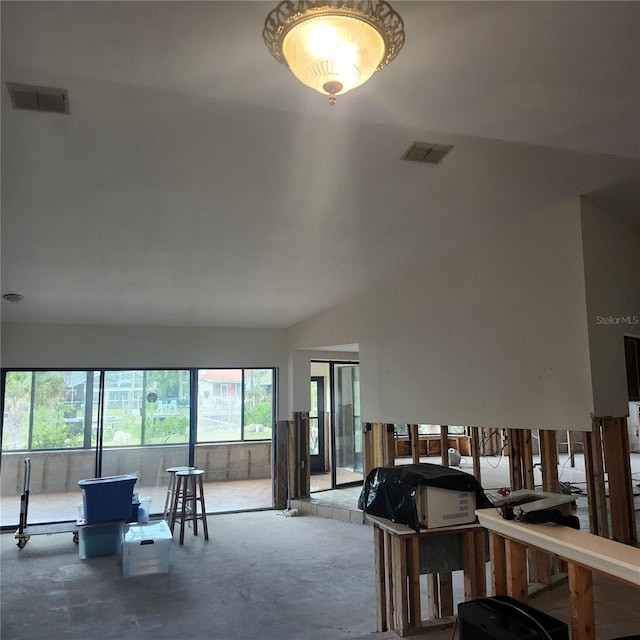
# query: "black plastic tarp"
389,492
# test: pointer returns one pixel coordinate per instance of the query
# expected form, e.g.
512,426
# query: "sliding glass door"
79,424
145,427
347,431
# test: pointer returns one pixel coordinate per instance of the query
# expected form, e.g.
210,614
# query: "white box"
438,507
145,549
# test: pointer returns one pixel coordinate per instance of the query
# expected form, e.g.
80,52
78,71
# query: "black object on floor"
505,618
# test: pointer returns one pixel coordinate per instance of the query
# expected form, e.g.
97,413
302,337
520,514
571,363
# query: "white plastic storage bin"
145,549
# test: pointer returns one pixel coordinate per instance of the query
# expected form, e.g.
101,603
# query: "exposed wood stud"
616,455
415,443
498,565
446,594
583,625
594,467
475,453
516,561
444,444
381,597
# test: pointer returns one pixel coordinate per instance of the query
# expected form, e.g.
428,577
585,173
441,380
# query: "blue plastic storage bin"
107,499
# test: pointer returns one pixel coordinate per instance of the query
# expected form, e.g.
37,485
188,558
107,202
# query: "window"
235,404
146,407
60,409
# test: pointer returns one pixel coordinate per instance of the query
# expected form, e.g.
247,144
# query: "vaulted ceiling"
197,182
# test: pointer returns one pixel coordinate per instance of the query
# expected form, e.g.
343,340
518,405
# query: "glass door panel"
316,426
347,427
48,417
145,428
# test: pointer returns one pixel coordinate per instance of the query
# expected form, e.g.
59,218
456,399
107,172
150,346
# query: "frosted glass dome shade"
332,53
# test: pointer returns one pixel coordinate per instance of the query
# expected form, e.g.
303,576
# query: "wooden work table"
583,552
398,569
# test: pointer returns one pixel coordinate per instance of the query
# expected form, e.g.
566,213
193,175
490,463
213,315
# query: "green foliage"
161,429
259,413
49,432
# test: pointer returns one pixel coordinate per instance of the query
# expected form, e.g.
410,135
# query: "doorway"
346,431
335,430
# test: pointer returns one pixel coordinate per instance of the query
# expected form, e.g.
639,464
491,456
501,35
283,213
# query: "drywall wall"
492,335
78,346
612,275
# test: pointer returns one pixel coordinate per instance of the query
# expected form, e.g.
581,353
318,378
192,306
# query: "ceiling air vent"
426,152
26,96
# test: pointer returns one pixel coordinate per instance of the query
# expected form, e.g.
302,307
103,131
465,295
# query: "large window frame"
93,412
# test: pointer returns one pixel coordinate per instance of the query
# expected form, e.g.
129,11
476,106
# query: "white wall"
78,346
492,335
300,373
612,276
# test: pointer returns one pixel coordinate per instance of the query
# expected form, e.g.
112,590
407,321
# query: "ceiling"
197,182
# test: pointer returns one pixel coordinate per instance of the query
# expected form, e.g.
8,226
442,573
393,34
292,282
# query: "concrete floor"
261,576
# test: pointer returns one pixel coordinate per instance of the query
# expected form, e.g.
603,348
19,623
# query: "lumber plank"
415,443
516,561
497,556
583,625
381,598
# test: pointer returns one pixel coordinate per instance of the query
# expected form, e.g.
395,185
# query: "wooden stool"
189,493
168,501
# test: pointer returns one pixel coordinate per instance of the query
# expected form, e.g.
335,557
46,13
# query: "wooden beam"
594,467
516,561
474,564
398,550
626,461
498,565
415,443
389,445
304,455
433,595
446,594
389,572
571,448
514,438
475,453
527,459
583,625
549,460
616,455
444,444
413,579
480,538
280,479
381,596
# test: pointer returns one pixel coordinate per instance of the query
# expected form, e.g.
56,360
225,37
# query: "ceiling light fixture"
334,46
13,297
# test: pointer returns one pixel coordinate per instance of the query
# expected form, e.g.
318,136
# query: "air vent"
426,153
26,96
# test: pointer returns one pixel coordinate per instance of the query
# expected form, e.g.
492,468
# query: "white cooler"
145,549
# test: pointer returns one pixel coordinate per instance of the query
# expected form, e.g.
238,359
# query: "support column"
618,467
444,444
594,467
415,443
475,453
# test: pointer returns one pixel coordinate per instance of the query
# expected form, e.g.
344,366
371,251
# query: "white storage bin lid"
138,533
